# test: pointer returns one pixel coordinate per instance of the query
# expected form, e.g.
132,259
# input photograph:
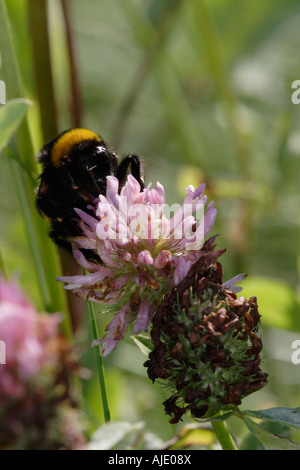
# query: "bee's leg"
136,167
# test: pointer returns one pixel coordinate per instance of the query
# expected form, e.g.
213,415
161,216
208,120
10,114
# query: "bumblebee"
74,169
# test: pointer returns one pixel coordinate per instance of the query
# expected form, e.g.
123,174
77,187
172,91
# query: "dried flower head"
206,348
143,253
37,408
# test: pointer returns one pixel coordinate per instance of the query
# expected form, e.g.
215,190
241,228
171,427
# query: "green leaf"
144,343
217,418
11,116
268,440
281,414
194,437
250,443
117,434
277,301
191,435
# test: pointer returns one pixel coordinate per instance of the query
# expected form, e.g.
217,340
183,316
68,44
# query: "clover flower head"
24,333
206,349
37,405
143,249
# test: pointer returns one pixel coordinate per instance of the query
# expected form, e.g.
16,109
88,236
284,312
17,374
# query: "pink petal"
182,269
160,194
162,259
112,191
143,317
209,218
131,190
115,331
86,243
199,190
75,282
155,195
144,257
81,259
88,219
230,284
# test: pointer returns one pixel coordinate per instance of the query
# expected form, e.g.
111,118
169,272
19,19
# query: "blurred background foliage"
202,91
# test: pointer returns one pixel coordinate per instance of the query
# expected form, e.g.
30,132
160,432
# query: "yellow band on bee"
67,141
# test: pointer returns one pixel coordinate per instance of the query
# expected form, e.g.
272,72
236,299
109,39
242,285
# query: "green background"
202,91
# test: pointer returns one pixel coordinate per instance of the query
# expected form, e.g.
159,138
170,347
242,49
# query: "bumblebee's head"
76,161
70,141
81,151
58,151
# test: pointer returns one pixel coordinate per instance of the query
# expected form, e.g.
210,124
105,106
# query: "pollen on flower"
142,252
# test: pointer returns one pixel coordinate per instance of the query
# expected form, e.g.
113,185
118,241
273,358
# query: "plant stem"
3,270
152,47
42,249
157,61
220,75
38,23
33,241
21,190
219,72
223,435
75,98
99,364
